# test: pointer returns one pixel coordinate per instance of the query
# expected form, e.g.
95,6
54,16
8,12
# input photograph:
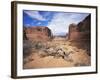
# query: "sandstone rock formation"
80,34
73,32
37,33
80,31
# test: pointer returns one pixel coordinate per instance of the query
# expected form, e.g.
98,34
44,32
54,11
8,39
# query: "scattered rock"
56,53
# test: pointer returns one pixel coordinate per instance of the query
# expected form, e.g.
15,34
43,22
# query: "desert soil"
75,56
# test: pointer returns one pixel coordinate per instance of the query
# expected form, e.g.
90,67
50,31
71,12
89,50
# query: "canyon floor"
56,53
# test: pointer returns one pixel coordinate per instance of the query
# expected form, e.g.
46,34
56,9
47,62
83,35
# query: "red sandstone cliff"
37,33
80,31
80,34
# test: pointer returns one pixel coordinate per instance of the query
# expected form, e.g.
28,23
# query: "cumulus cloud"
61,21
35,15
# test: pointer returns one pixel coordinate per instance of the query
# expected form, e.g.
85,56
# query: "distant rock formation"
37,33
80,31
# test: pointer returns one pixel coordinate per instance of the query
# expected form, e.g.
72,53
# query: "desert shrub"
37,45
27,48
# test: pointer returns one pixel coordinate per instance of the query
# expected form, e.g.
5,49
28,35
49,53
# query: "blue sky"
58,22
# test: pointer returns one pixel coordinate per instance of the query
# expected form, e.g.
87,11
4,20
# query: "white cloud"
61,21
27,25
78,16
35,15
39,23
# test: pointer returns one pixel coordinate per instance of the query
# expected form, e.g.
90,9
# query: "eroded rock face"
80,34
73,32
37,33
85,24
80,31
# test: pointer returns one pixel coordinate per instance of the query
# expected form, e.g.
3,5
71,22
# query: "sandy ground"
78,57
